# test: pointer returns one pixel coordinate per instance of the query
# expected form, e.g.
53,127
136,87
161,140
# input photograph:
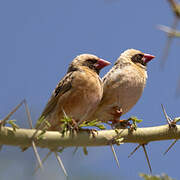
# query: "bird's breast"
124,88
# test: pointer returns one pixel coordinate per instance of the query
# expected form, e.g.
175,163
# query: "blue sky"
38,39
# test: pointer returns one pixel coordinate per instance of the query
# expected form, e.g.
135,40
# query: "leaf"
85,151
177,119
135,119
13,124
157,177
39,121
61,150
94,123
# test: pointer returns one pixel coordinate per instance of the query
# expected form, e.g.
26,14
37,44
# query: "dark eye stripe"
138,58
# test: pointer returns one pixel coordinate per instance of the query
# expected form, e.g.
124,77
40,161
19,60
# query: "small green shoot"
13,124
177,119
94,123
134,120
157,177
85,151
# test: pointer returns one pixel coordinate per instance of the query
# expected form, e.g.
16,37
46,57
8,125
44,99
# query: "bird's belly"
128,97
82,103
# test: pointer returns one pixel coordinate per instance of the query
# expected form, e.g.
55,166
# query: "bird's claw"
123,123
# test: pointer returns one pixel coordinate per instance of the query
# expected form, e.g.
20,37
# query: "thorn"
3,122
172,124
178,88
75,150
82,119
60,163
171,32
37,155
147,158
134,150
44,159
168,43
115,156
64,112
28,114
33,143
173,143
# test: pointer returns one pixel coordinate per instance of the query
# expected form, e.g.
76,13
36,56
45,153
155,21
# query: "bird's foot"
121,124
116,122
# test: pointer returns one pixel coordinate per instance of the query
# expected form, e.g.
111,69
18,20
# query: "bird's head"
135,56
91,61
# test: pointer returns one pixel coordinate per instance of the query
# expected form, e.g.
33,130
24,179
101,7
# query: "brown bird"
77,95
123,85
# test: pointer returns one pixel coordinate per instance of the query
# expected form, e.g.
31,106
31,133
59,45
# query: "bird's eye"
138,58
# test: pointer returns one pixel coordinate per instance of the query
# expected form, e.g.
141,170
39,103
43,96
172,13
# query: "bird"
76,95
123,85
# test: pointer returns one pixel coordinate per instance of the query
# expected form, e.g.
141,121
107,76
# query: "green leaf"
61,150
177,119
39,121
94,123
13,124
156,177
85,151
135,119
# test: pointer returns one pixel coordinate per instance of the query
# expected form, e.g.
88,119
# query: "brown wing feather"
63,86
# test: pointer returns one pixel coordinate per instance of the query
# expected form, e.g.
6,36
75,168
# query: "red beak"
148,57
101,63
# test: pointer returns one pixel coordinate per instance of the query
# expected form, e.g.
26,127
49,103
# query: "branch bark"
53,140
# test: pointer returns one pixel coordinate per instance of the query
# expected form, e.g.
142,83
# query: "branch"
53,140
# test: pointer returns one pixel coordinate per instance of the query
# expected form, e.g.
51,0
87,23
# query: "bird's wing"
62,88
